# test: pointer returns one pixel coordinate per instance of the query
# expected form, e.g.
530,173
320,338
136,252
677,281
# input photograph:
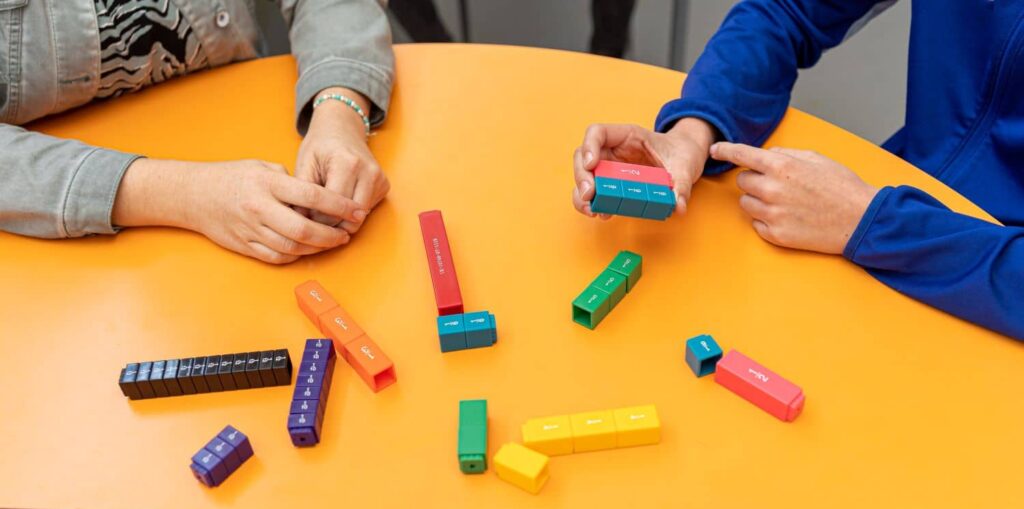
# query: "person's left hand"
335,154
798,198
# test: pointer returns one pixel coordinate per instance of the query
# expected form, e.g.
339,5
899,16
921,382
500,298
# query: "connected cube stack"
214,373
456,329
354,345
221,457
593,431
632,190
605,292
472,449
312,386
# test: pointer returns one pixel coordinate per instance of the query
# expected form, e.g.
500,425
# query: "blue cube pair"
221,457
469,330
312,386
702,354
633,199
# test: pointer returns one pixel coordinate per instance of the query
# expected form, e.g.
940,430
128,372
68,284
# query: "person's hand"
797,198
682,151
335,155
244,206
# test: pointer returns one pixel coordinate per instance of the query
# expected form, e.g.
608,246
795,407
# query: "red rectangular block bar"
440,264
760,386
633,173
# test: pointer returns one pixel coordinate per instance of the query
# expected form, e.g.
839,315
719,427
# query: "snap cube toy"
440,263
197,375
702,353
470,330
605,292
221,457
593,431
353,344
632,190
760,386
472,449
312,386
522,467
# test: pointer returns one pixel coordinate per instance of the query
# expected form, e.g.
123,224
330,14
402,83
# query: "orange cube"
338,325
314,301
370,362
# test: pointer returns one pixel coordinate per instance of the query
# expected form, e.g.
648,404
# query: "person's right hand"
244,206
682,151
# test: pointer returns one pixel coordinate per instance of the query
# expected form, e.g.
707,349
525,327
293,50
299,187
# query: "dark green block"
630,265
612,283
591,307
472,450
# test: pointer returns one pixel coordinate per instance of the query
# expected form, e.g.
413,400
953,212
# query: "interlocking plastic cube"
522,467
549,435
593,431
221,457
472,449
702,354
637,425
760,386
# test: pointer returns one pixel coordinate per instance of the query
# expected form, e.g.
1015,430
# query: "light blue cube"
452,331
661,201
479,329
702,354
607,196
634,199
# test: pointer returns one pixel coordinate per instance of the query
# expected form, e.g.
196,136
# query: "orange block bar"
338,325
370,362
314,301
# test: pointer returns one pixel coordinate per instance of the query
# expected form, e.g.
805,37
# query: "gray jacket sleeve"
340,43
55,188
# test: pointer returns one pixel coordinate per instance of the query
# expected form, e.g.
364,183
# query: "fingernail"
359,215
584,187
589,156
714,150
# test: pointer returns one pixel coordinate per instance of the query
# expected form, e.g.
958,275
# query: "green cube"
591,307
473,436
630,265
612,283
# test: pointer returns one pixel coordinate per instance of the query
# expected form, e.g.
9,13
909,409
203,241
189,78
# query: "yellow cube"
638,425
549,435
521,466
593,431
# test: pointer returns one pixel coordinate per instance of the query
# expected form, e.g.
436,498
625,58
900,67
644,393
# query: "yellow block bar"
549,435
523,467
593,431
638,425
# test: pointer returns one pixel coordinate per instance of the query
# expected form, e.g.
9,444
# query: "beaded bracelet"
347,102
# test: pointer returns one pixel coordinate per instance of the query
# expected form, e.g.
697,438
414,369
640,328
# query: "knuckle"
302,232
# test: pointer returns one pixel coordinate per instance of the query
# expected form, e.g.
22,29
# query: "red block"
633,172
440,264
760,386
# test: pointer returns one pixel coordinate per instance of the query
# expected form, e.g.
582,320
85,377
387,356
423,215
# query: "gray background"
860,85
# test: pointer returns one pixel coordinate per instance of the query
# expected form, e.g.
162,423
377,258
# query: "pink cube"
760,386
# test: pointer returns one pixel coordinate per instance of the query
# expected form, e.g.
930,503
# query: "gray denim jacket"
50,60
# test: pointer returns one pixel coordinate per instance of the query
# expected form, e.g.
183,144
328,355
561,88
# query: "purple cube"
238,441
311,379
226,452
303,429
310,392
308,406
206,461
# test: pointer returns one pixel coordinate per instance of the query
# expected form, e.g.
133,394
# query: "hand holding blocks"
221,457
632,190
312,386
354,345
760,386
472,449
522,467
605,292
593,431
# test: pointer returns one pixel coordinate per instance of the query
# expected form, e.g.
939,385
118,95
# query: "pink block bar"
760,386
633,172
440,264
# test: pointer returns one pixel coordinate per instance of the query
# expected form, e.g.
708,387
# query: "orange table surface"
906,406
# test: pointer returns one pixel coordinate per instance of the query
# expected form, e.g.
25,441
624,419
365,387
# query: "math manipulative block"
440,263
472,447
702,354
221,457
760,386
521,466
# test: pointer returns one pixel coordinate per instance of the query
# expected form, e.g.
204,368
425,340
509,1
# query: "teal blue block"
607,196
702,354
452,331
661,201
634,199
479,329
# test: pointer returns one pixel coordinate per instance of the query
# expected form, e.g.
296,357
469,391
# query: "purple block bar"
221,457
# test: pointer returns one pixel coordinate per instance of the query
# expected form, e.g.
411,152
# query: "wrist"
154,192
338,115
696,130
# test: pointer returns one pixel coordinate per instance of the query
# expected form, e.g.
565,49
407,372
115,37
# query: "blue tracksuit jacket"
964,126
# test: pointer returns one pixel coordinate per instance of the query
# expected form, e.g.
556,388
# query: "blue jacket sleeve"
964,266
742,81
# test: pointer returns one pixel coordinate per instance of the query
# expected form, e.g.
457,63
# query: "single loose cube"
591,307
549,435
472,448
634,199
593,431
661,201
637,425
478,329
702,353
522,467
607,196
451,330
630,265
760,386
612,283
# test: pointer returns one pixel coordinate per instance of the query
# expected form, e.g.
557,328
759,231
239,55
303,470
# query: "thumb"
684,166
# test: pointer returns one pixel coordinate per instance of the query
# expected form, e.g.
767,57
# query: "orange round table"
906,406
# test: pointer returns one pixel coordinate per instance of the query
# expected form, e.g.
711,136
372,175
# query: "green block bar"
473,436
628,264
612,283
590,307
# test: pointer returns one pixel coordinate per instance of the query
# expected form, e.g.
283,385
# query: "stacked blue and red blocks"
312,386
221,457
632,190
